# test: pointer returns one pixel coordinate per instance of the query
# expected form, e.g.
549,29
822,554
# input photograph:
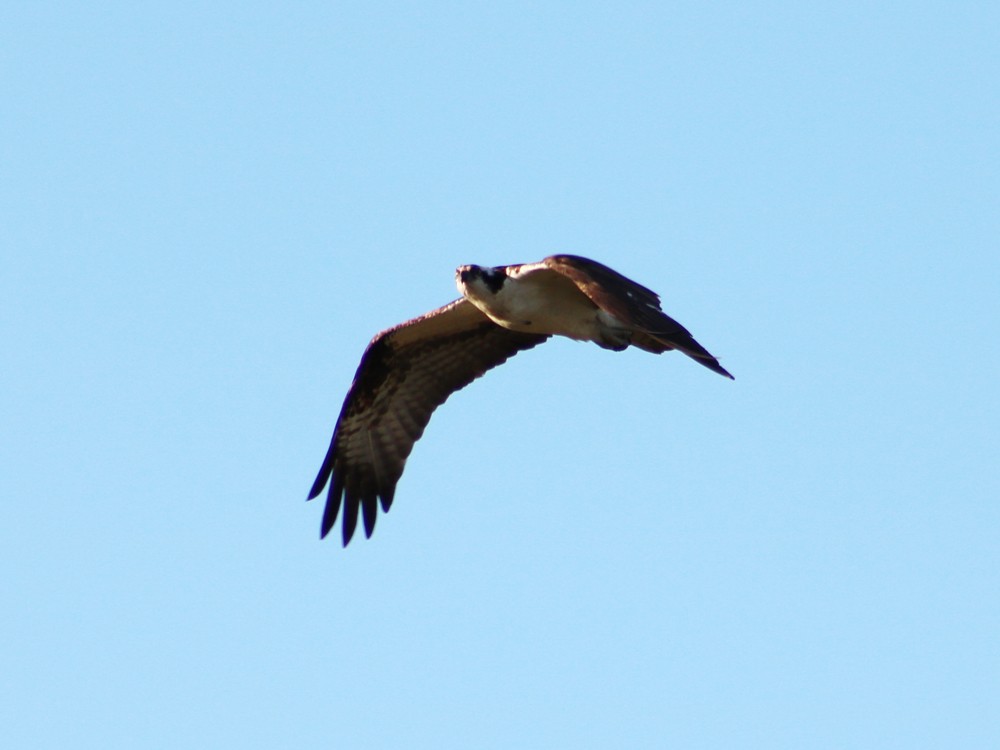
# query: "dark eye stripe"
494,279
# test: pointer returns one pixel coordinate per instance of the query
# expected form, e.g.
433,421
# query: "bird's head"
480,282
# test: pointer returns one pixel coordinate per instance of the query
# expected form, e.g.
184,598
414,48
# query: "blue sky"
207,211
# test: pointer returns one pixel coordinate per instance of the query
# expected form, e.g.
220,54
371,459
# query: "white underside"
542,301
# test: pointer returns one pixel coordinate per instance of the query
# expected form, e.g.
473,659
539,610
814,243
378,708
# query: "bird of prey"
409,370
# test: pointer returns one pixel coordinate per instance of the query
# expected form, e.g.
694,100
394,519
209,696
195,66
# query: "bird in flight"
409,370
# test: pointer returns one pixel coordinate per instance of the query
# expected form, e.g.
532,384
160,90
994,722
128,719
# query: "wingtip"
346,536
325,529
330,513
713,364
350,519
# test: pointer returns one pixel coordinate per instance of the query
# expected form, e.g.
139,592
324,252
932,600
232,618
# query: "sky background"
206,211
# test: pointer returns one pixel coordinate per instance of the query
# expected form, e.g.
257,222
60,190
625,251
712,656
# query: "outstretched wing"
405,374
634,304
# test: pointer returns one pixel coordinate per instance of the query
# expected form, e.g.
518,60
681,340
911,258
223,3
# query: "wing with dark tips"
634,304
405,374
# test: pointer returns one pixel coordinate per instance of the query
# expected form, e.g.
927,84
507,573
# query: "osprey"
409,370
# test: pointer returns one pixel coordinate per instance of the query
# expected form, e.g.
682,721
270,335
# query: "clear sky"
206,211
